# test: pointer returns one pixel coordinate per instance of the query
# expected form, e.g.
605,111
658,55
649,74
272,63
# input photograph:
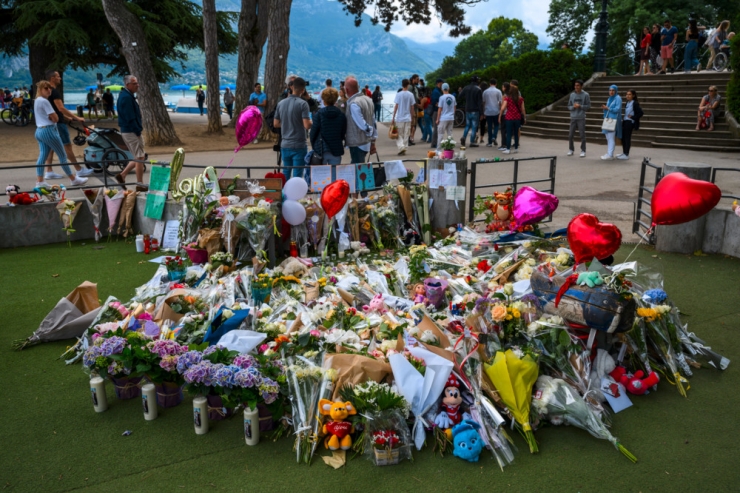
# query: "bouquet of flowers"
513,375
656,331
376,402
221,258
95,204
175,267
159,363
113,201
68,210
560,403
385,226
112,354
447,144
388,437
259,222
308,383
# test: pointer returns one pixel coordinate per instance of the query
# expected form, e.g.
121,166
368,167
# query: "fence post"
471,200
445,213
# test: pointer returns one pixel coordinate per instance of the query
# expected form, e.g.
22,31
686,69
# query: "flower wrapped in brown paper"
125,217
163,310
315,223
404,195
354,369
210,239
354,219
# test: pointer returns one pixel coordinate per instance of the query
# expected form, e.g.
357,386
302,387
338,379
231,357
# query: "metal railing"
514,183
643,202
714,178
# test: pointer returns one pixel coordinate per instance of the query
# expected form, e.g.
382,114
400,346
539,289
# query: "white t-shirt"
404,100
492,101
41,110
447,105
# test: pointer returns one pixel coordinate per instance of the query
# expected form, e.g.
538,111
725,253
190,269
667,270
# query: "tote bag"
609,125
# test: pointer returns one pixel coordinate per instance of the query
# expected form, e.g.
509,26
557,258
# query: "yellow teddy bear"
338,430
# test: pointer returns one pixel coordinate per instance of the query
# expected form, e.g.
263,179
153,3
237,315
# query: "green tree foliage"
388,12
569,22
544,76
733,88
77,35
502,40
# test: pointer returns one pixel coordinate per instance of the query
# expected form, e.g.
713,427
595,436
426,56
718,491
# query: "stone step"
691,147
673,79
694,143
593,118
657,131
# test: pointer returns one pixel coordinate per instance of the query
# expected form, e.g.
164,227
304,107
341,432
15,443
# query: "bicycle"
18,116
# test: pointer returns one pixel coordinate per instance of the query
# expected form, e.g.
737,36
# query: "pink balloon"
531,206
248,125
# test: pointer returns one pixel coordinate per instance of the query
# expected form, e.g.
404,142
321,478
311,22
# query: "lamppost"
602,28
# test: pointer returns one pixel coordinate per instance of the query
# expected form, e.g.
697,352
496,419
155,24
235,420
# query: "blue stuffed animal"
467,440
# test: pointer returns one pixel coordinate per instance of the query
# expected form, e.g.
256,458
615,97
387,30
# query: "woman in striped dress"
47,136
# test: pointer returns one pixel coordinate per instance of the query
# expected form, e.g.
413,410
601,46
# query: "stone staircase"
670,104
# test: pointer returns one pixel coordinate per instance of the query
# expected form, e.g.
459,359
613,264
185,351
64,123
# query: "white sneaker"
623,157
502,148
583,153
506,151
42,184
85,172
607,157
50,175
570,153
78,181
514,151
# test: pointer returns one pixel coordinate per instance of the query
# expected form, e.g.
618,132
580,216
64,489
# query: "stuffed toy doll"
18,198
337,430
468,442
451,412
420,293
635,384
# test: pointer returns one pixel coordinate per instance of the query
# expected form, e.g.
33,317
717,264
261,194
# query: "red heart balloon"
334,197
679,199
589,239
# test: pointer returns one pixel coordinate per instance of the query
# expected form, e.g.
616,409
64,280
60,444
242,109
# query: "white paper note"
171,240
455,193
158,231
450,175
320,177
435,178
394,170
348,173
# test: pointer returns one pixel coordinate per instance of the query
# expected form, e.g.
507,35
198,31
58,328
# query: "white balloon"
294,212
295,188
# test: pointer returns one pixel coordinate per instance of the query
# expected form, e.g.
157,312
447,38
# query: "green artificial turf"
52,440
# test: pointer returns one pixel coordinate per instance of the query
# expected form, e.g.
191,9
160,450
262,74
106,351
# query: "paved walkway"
607,189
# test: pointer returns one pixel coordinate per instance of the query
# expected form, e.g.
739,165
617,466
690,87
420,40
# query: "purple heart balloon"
248,125
531,206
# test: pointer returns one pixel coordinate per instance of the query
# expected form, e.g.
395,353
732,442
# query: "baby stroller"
106,149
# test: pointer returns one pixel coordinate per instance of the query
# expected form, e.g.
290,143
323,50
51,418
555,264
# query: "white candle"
149,401
200,415
251,426
139,243
97,392
341,254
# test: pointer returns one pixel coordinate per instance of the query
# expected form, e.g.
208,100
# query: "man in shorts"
129,120
668,36
65,116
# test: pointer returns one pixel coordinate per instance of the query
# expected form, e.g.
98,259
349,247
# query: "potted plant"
196,254
176,269
447,145
224,259
112,355
159,363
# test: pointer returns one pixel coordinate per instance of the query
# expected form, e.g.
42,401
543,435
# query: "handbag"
609,125
393,132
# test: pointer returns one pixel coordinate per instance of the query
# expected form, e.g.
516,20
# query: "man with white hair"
361,129
129,119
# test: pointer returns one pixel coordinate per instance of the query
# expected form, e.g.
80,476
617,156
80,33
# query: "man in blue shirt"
129,119
258,98
436,94
668,36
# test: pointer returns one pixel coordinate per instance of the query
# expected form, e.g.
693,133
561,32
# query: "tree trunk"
278,46
253,22
210,42
158,128
39,61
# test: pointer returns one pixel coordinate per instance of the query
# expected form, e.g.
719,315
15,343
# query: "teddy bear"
18,198
291,266
376,305
451,412
338,429
467,441
502,205
635,384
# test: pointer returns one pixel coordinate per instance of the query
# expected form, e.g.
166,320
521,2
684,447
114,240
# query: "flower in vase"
113,345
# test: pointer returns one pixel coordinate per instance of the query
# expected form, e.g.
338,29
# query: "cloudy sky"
533,14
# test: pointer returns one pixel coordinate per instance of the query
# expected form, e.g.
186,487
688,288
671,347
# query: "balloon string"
642,238
229,165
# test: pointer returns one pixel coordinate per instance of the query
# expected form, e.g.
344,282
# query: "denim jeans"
512,130
357,155
691,56
492,122
427,128
293,157
378,111
471,123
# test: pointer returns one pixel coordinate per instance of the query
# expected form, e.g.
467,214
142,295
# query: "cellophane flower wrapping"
259,223
387,437
559,403
308,383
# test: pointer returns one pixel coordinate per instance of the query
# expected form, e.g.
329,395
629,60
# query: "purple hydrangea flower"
169,363
197,373
212,369
167,348
88,359
245,361
212,349
113,345
531,298
269,390
224,377
187,360
248,378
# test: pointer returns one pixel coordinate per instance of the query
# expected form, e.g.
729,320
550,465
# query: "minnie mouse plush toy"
18,198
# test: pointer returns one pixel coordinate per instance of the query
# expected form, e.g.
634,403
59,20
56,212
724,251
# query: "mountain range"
324,43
